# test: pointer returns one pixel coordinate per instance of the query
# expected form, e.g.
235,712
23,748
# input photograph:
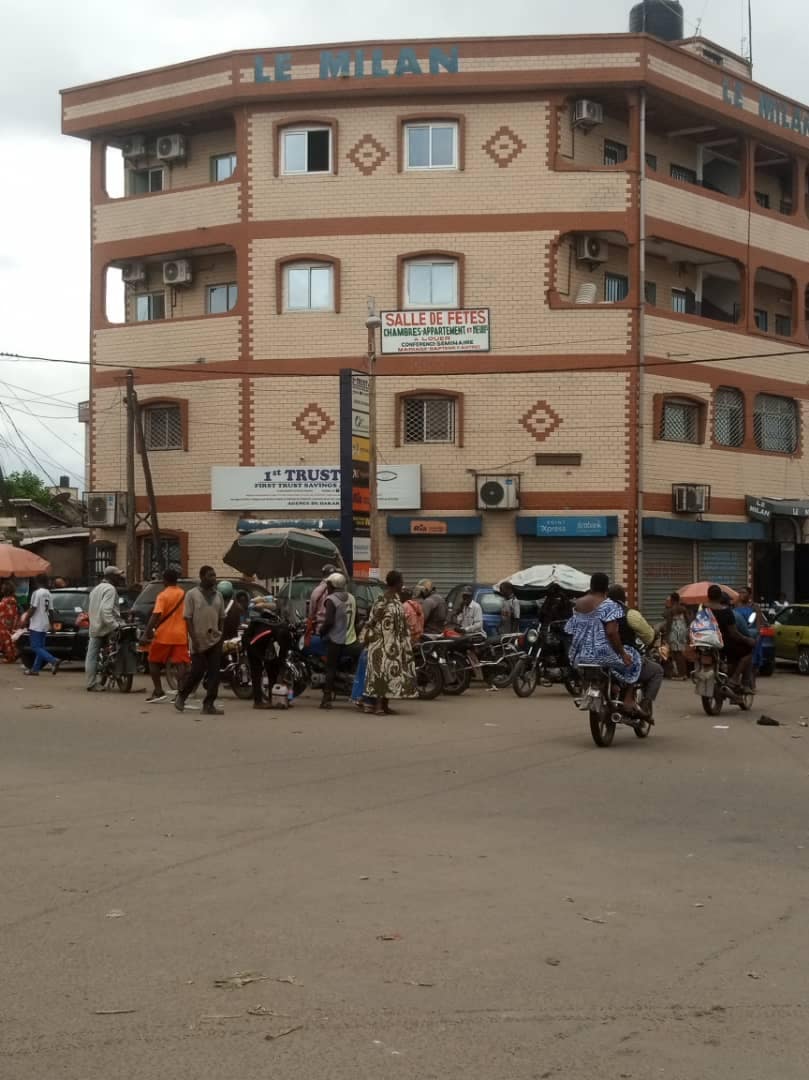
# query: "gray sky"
47,45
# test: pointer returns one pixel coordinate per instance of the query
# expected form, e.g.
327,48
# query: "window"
431,146
679,301
150,307
170,555
728,416
308,287
775,422
100,556
616,288
431,283
762,320
783,325
680,421
614,152
222,298
651,161
714,57
683,173
306,150
223,166
429,420
650,292
143,181
163,427
763,199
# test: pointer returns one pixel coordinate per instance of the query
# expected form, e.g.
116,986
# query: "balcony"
687,281
166,212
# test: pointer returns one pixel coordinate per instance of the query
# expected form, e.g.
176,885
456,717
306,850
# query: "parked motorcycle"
429,673
603,698
118,659
461,658
545,662
712,686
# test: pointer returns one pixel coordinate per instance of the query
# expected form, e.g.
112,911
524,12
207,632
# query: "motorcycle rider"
634,628
556,607
267,641
434,607
470,618
738,648
338,630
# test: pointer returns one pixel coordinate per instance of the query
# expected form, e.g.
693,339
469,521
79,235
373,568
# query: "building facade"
622,219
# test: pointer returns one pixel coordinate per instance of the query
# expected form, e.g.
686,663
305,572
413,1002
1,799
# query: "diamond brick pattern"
541,421
313,423
504,146
367,154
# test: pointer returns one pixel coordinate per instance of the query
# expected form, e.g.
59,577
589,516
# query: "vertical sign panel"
355,479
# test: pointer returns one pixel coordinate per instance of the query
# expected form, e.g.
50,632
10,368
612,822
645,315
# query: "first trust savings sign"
362,63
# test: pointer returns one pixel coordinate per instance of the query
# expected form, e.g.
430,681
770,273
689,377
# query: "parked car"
491,602
67,639
141,610
791,626
293,598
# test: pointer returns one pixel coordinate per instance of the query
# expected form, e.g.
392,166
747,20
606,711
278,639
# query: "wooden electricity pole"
131,528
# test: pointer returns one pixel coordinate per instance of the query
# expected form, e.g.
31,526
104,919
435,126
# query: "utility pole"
131,533
157,566
372,323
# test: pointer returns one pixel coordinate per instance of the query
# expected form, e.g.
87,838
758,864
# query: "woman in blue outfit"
594,627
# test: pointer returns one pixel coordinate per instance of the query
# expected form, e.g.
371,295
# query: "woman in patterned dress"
9,621
390,672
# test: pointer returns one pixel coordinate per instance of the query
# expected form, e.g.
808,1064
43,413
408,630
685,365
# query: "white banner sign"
307,487
457,330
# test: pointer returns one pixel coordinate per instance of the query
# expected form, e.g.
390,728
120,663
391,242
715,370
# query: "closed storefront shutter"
445,560
723,562
591,555
667,566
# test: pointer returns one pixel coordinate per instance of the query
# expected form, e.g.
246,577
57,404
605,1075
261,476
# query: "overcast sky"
47,45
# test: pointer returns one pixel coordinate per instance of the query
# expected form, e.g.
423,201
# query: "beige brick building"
632,214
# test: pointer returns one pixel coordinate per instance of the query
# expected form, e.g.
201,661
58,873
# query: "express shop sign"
436,331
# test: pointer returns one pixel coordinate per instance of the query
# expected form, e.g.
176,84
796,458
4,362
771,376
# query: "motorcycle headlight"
531,637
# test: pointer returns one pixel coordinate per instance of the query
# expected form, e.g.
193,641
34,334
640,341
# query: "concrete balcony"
213,339
166,212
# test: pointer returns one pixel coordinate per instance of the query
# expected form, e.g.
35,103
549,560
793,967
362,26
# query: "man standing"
169,645
39,618
509,610
470,617
104,619
205,618
317,601
433,606
338,630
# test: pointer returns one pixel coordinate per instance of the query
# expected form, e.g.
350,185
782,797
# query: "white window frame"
681,298
430,125
308,266
221,285
304,130
150,296
215,158
435,261
131,173
451,404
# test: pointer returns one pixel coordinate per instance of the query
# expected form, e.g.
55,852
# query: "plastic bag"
704,630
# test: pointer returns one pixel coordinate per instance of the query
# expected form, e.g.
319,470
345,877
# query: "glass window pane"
419,284
418,146
294,151
217,299
298,288
318,156
443,145
158,305
444,290
142,308
320,279
155,180
224,165
138,183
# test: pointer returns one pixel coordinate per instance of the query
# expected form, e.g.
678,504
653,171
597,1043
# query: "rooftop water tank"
662,18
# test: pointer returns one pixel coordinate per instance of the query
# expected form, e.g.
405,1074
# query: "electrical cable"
20,436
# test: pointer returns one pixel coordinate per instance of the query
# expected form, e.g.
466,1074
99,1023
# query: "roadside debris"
113,1012
395,936
767,721
588,918
116,913
753,975
281,1034
721,727
551,961
240,979
37,706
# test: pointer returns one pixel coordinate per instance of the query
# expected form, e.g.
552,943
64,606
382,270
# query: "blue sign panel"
568,526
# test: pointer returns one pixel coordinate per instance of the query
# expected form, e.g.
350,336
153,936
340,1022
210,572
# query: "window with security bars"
616,288
163,427
615,153
775,422
169,555
680,421
783,325
728,413
429,420
101,556
684,174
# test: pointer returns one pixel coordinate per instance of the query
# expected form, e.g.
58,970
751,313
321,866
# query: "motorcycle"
603,698
118,659
712,686
429,674
310,666
545,662
460,658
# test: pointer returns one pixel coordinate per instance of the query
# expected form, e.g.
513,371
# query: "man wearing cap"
433,606
104,619
470,617
338,630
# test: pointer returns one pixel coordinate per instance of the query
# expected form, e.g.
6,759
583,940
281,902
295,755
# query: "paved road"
555,910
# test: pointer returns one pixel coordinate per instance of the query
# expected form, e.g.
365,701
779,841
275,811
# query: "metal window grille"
679,301
783,325
762,319
614,152
680,421
169,556
729,417
429,420
763,199
776,423
616,288
101,556
163,427
683,173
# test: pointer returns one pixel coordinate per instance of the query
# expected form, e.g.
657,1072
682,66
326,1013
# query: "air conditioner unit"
498,492
133,272
177,272
586,114
592,249
170,147
691,498
106,509
134,146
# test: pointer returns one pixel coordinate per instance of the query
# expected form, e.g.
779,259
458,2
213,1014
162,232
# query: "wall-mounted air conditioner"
691,498
177,272
592,249
133,272
106,509
170,147
134,146
586,114
498,492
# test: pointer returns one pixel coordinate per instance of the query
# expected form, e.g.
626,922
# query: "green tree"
27,485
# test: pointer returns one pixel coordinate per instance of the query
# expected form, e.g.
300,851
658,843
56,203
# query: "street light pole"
372,323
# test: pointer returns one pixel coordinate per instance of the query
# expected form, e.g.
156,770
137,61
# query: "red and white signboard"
436,331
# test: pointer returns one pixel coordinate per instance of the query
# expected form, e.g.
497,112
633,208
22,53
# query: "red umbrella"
17,562
697,593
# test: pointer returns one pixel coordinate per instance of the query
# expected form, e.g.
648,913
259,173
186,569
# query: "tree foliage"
27,485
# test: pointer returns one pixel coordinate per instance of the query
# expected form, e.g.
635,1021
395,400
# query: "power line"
38,463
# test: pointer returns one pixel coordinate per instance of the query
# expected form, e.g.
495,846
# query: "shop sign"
776,111
309,487
428,528
362,63
766,509
436,331
572,526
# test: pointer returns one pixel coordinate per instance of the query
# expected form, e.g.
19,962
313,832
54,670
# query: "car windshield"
69,601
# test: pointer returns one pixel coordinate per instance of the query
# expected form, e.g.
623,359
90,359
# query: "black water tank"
663,18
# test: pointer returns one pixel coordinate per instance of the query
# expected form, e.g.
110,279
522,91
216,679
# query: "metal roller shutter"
590,555
725,563
667,566
445,560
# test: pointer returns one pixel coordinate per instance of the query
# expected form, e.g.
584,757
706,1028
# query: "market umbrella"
697,593
540,577
17,562
274,553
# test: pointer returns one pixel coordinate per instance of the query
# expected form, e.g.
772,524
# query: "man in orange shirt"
167,635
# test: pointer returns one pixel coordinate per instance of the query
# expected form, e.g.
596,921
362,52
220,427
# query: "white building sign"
434,331
307,487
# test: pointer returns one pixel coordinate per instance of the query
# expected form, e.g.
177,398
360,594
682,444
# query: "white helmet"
337,582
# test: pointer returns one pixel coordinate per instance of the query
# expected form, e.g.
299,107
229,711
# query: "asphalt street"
469,889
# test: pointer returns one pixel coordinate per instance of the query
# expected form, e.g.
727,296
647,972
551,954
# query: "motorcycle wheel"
456,677
240,682
170,675
524,680
124,683
429,681
573,685
602,728
500,675
712,705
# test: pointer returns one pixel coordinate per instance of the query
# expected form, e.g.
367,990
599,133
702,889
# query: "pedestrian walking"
102,607
390,672
39,618
9,621
204,614
167,635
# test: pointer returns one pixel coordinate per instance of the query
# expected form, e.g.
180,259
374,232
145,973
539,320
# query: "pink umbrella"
691,595
17,562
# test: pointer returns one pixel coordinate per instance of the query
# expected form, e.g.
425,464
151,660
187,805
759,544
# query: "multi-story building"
625,216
